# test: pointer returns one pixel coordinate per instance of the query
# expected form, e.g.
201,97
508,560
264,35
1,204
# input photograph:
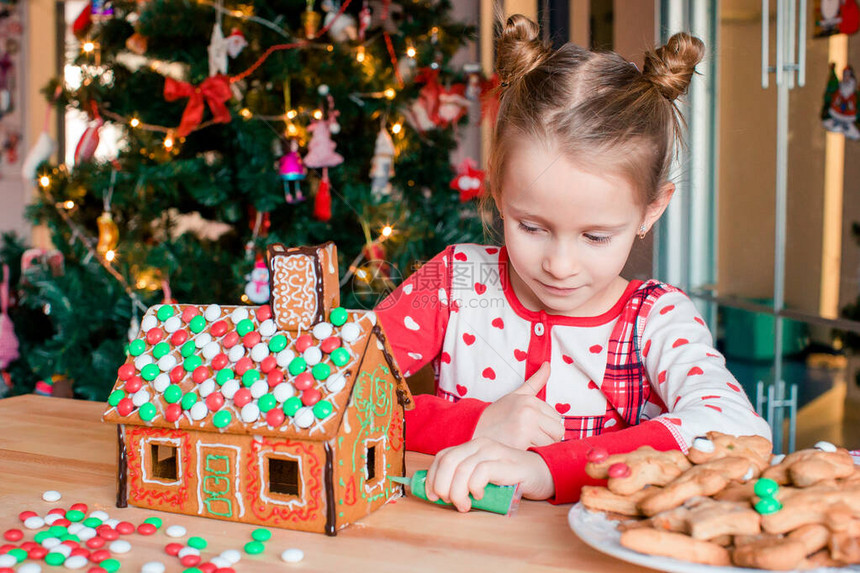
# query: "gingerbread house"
288,414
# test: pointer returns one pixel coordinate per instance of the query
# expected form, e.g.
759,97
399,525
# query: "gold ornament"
108,233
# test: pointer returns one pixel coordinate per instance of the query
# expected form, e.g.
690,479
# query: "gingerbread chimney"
304,284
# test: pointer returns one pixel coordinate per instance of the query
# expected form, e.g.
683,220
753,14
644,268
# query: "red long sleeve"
436,423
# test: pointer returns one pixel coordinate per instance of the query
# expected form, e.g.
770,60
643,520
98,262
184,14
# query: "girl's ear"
655,210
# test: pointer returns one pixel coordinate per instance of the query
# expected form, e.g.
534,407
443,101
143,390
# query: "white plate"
601,534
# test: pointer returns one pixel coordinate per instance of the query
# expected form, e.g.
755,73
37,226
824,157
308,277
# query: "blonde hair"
597,108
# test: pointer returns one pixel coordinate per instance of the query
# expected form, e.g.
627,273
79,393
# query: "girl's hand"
520,419
468,468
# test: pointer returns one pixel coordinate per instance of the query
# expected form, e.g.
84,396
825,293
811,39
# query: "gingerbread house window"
284,477
373,464
163,459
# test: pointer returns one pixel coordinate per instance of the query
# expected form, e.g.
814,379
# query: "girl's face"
568,232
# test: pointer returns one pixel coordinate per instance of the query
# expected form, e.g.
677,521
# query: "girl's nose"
560,261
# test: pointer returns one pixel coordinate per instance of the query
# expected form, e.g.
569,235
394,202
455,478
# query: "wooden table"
59,444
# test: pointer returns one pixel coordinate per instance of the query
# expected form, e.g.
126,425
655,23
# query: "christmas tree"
215,99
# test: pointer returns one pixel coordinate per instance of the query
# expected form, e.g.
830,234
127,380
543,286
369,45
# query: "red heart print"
661,377
519,354
711,355
695,371
461,390
675,421
596,349
592,385
700,321
567,358
446,358
717,408
733,386
468,339
460,256
498,323
492,250
647,349
680,342
667,309
678,399
562,408
480,288
489,373
455,306
711,397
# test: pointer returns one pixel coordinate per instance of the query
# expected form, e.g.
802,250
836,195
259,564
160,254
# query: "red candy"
125,407
99,556
189,312
125,528
178,338
251,339
329,344
264,313
126,371
268,364
107,532
134,384
275,417
304,342
304,381
218,328
200,374
214,401
57,511
28,545
37,553
6,570
96,542
220,361
24,515
173,548
242,397
96,570
244,364
82,507
230,340
7,548
70,542
62,521
190,560
311,396
146,529
207,567
13,535
597,455
274,378
177,374
225,570
154,335
80,551
619,470
172,412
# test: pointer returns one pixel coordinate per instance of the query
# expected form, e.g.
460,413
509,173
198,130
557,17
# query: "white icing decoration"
267,328
175,531
148,323
250,412
283,391
202,339
322,330
172,324
312,355
292,555
239,315
206,387
87,533
371,316
285,356
407,288
152,567
350,332
198,411
703,445
75,562
51,495
187,550
410,323
140,397
229,389
236,353
232,555
212,312
294,295
304,417
34,522
143,360
166,362
259,388
120,546
161,382
211,350
825,447
201,457
259,351
335,383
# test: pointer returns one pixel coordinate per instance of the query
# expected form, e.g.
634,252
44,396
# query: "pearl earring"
643,230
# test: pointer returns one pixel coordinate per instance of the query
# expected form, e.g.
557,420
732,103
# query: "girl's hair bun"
519,49
671,67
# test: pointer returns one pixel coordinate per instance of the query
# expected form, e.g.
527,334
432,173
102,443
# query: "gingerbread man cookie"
808,467
631,472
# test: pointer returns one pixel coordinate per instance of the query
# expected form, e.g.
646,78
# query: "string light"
386,231
410,49
44,181
134,122
88,47
318,114
68,205
397,128
168,142
292,114
291,130
359,55
110,256
246,113
389,93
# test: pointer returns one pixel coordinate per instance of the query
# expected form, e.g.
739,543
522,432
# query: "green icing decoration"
223,376
110,565
165,312
188,400
321,371
156,521
115,397
322,409
250,376
292,405
161,349
149,372
147,412
191,363
245,326
75,515
188,348
222,418
55,558
338,316
173,394
254,548
765,487
297,366
197,324
261,534
136,347
278,343
197,542
340,356
266,402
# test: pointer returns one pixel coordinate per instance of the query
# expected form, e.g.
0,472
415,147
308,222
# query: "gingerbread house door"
218,481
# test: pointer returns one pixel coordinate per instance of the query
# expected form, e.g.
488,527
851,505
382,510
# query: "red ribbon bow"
215,91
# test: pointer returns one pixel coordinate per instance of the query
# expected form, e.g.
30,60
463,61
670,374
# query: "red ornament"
214,91
469,180
322,200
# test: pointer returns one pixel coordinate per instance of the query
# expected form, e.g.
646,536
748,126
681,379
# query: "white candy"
293,555
211,350
312,355
187,550
283,391
350,332
140,397
335,383
99,514
304,417
239,315
76,562
166,363
236,353
172,324
30,567
65,550
268,327
87,533
148,323
143,360
232,556
212,312
75,528
175,531
259,388
120,546
202,339
52,517
52,542
206,387
220,562
198,411
703,445
52,495
322,330
285,356
153,566
250,412
229,389
34,522
825,447
162,381
7,560
259,352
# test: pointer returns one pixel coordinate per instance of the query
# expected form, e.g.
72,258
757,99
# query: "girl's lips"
558,290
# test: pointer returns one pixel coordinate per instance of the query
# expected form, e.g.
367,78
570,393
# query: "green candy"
322,409
297,366
70,537
137,347
149,372
197,542
55,558
115,397
338,316
321,371
191,363
765,487
173,394
261,534
292,405
156,521
18,553
767,505
147,412
197,324
41,536
187,349
222,418
75,515
223,376
266,402
161,349
245,326
188,400
110,565
57,530
340,356
165,312
277,343
92,522
250,376
254,548
192,570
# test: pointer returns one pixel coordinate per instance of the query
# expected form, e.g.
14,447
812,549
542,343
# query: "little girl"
542,350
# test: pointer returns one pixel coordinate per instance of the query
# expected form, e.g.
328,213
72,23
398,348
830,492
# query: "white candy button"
212,313
76,562
322,330
153,566
143,360
51,495
259,388
148,323
312,355
251,412
304,417
259,352
202,339
198,411
285,356
236,353
120,546
239,315
335,383
166,362
34,522
211,350
293,555
172,324
268,327
232,556
30,568
350,332
177,530
229,389
161,382
282,392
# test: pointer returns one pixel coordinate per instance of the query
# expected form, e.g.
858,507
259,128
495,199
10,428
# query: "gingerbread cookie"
716,445
675,545
809,467
630,472
598,498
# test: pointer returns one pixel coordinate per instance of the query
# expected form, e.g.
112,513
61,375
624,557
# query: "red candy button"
220,361
13,535
268,364
7,548
244,364
70,542
177,374
242,397
311,396
99,556
231,339
80,551
207,567
275,417
134,384
304,381
264,313
274,378
178,338
125,407
126,371
329,344
304,342
251,339
200,374
28,545
214,401
189,312
96,542
597,455
190,560
173,548
125,528
154,335
25,515
57,511
146,529
82,507
619,470
37,553
172,412
62,521
107,532
218,328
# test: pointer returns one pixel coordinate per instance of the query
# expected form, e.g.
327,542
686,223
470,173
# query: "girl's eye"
528,229
598,238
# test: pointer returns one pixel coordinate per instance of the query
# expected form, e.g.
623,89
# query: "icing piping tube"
501,499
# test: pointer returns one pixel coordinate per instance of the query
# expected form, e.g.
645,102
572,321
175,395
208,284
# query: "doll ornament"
292,173
842,107
257,288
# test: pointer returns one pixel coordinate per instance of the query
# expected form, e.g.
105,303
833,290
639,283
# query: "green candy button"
57,530
136,347
321,371
92,522
18,553
147,412
245,326
322,409
223,376
254,548
188,349
197,542
173,394
41,536
261,534
767,505
161,349
297,366
340,356
110,565
338,316
156,521
55,558
115,397
266,402
188,400
765,487
197,324
292,405
165,312
222,418
150,371
75,515
191,363
278,343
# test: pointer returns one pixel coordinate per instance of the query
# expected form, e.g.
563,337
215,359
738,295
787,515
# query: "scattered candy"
146,529
76,562
125,528
120,546
173,548
189,560
7,560
292,555
30,568
152,567
188,551
232,556
52,495
261,534
175,531
34,522
254,548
